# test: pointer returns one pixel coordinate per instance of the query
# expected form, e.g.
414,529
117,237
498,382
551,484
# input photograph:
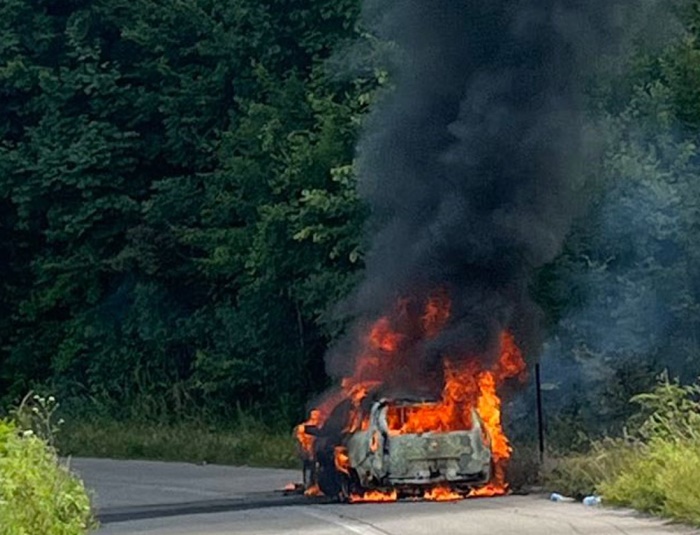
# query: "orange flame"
313,490
342,461
305,440
467,386
437,312
488,491
374,496
441,494
383,337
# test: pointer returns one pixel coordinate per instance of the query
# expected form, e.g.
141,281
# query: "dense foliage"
176,202
653,468
178,210
623,298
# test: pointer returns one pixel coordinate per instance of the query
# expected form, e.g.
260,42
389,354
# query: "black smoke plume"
474,163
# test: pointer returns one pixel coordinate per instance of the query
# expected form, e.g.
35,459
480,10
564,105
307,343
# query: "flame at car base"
468,384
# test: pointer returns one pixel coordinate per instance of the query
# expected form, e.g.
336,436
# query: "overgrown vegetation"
248,442
654,467
38,494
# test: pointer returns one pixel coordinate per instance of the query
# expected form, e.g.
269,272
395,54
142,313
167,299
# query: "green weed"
38,494
247,443
654,468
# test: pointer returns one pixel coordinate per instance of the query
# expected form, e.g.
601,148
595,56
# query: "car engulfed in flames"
362,442
379,462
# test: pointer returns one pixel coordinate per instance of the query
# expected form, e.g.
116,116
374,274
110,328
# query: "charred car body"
379,456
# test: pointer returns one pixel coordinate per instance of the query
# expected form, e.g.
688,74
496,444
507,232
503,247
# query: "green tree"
624,295
177,199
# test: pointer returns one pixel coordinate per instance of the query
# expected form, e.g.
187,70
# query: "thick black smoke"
473,164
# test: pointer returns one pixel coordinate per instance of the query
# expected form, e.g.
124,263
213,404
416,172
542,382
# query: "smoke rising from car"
475,161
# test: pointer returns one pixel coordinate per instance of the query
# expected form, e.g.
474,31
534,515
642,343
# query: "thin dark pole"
540,419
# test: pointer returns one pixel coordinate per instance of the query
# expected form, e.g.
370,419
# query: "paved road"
124,484
143,498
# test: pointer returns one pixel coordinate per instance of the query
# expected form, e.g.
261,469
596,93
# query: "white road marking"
349,524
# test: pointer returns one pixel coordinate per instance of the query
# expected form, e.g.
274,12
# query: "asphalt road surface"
147,498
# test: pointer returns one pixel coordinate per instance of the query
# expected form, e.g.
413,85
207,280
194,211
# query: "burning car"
379,460
392,428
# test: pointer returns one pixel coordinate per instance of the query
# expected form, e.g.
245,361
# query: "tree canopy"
177,201
178,212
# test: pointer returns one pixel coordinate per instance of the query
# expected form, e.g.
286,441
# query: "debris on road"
293,488
592,501
556,497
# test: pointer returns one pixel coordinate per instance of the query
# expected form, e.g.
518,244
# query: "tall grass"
242,442
147,428
655,467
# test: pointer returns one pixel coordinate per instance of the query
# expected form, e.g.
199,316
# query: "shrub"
38,494
581,474
654,468
662,479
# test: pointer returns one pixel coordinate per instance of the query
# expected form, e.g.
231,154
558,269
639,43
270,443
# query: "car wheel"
349,485
329,480
309,474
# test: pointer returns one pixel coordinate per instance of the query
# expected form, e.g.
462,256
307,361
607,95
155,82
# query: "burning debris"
472,166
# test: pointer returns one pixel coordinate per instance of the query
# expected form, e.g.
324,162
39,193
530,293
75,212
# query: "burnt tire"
310,477
329,480
349,485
